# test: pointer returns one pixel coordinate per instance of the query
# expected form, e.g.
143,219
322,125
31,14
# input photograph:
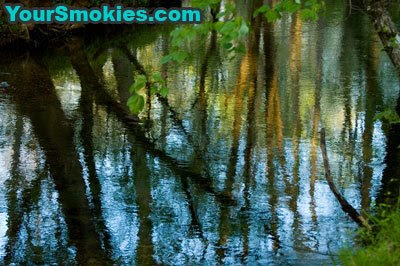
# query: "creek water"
227,170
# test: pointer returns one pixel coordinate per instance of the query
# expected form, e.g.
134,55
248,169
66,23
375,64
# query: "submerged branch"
141,70
180,168
346,206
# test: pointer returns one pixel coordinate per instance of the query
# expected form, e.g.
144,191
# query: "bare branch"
346,206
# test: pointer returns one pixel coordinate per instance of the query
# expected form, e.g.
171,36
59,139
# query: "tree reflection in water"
226,170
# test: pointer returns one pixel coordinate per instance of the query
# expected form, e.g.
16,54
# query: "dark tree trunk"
386,29
36,99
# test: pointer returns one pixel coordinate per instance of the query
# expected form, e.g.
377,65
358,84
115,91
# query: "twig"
346,206
350,7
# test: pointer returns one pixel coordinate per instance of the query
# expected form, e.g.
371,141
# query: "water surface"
227,170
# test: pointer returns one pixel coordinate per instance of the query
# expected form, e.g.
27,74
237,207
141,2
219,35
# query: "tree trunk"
386,29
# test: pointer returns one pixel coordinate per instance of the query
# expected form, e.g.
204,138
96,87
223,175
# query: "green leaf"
165,59
228,27
164,91
179,56
157,77
309,14
153,89
139,83
218,25
136,103
290,6
262,10
272,15
389,116
204,28
227,45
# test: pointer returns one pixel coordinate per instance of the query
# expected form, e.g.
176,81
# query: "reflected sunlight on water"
226,170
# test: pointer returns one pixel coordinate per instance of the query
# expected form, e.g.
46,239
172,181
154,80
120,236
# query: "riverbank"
379,247
33,35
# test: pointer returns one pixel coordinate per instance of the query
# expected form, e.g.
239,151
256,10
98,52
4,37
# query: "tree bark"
386,29
346,206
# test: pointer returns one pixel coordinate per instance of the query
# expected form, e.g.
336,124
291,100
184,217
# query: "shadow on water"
225,170
41,106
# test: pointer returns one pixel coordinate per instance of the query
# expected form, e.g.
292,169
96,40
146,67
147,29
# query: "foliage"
382,246
231,28
395,42
309,9
388,116
156,84
136,101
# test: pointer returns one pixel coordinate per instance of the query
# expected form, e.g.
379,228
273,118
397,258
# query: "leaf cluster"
156,84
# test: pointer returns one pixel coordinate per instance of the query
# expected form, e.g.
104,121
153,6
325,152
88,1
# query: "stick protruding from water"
346,206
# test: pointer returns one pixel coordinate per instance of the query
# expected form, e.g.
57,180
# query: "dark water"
227,171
